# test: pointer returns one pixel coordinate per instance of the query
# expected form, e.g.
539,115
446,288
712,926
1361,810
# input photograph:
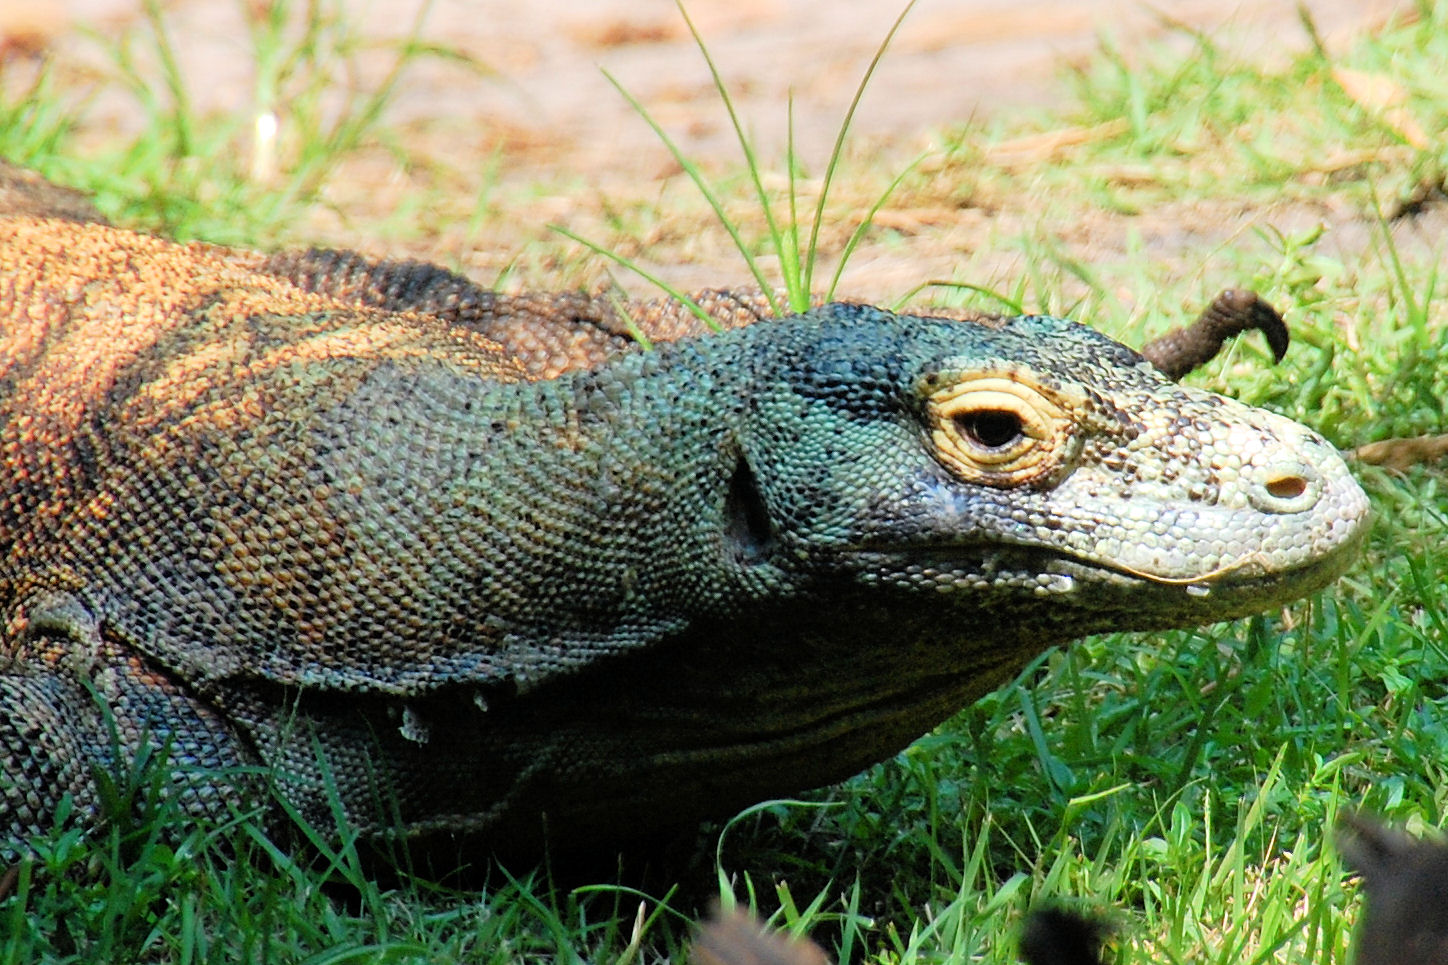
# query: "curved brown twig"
1232,312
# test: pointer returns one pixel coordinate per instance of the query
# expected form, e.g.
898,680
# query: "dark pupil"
991,429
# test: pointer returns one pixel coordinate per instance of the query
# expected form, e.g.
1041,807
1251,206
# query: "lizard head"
1035,466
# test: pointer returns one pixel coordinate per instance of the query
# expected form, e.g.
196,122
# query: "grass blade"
643,273
839,148
695,175
752,163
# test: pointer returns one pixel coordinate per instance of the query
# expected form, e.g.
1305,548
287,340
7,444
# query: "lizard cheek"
1000,430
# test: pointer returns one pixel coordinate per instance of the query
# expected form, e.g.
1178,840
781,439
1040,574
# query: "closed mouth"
1247,571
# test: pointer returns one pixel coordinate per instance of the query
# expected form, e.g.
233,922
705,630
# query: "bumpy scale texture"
363,531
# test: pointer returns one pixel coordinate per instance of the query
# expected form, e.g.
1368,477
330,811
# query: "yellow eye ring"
1004,430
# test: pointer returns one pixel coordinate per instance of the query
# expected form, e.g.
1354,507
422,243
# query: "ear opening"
748,530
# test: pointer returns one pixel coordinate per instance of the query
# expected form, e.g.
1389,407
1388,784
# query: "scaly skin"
289,532
552,332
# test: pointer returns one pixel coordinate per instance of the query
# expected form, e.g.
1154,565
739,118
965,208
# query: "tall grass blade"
751,162
838,151
643,273
863,228
695,175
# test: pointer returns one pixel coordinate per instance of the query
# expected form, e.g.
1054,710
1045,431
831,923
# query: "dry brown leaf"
28,29
1034,148
1343,160
737,938
1380,94
1399,454
606,32
1372,91
933,32
914,220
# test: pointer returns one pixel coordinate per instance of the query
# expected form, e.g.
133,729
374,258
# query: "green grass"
238,178
1183,783
1172,124
793,242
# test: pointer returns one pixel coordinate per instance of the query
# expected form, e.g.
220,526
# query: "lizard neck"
602,509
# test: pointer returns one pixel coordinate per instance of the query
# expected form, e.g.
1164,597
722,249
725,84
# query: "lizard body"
291,518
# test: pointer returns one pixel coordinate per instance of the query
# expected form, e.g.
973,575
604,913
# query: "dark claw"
1057,936
1232,312
1404,881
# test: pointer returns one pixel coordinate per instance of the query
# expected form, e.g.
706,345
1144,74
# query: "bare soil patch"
540,137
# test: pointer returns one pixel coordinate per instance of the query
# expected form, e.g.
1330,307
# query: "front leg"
77,709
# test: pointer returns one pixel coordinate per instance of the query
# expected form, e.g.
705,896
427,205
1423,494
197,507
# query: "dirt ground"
542,112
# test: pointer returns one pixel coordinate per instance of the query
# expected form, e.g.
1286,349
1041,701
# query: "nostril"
1289,485
1286,487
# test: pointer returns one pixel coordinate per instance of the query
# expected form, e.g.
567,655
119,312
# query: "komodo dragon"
379,558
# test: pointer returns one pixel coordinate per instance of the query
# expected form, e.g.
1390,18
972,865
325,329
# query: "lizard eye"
1003,428
990,429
